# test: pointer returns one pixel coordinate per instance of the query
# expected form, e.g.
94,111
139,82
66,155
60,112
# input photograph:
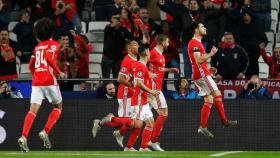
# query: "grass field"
118,154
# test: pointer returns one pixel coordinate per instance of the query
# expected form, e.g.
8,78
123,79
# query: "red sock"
158,128
122,120
124,129
53,117
220,108
133,137
28,121
204,114
111,125
146,136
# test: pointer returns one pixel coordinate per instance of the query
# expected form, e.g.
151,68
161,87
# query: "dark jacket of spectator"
250,36
40,9
261,5
230,61
114,41
5,15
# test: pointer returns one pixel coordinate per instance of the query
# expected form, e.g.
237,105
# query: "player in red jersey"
202,79
156,66
140,108
125,92
44,84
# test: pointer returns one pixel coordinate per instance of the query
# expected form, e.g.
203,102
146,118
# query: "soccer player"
44,84
125,92
140,108
202,79
156,66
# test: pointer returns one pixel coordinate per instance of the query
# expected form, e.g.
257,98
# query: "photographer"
8,92
253,89
66,16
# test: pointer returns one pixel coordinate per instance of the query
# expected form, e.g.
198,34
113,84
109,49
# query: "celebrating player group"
140,90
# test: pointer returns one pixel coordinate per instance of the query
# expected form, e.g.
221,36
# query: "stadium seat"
269,47
274,15
275,5
270,37
98,47
163,15
263,70
95,58
15,16
95,36
11,25
85,15
273,26
94,75
84,27
182,69
97,25
13,36
24,71
181,58
95,68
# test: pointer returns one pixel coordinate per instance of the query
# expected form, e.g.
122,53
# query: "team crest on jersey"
53,48
139,74
195,49
123,69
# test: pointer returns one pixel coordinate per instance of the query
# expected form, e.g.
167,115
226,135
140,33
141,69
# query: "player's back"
156,65
199,70
44,74
126,70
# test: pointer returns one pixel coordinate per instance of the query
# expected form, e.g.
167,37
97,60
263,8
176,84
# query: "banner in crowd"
231,89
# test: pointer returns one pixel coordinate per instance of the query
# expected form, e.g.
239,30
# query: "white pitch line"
225,153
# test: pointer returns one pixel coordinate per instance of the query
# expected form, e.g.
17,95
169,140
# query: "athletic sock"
124,129
158,128
133,137
122,120
111,125
28,121
146,136
53,117
220,109
204,114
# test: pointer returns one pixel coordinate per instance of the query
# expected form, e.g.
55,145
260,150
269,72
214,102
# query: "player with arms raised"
44,84
202,79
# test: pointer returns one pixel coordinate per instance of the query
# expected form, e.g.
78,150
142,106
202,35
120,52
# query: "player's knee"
58,106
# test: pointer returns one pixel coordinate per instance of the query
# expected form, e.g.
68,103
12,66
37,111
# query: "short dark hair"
142,50
178,83
161,38
44,29
194,26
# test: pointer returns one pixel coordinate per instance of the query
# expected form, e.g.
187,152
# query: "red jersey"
199,70
126,70
156,65
140,72
43,63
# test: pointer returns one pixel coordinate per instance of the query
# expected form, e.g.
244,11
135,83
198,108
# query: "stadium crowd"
236,27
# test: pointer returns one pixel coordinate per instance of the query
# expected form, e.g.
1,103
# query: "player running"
140,108
125,92
44,84
156,66
202,79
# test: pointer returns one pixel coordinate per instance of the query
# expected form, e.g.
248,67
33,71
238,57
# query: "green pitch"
117,154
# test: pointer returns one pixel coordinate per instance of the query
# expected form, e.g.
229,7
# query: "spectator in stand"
67,57
231,60
104,9
5,15
183,90
25,38
114,44
40,9
254,89
262,9
8,69
83,50
66,16
126,20
272,61
250,36
118,6
234,17
107,91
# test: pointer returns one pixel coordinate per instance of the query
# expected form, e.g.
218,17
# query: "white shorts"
124,109
206,85
157,102
142,112
39,93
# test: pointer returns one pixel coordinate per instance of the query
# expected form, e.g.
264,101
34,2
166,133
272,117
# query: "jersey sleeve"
195,49
51,56
124,70
139,73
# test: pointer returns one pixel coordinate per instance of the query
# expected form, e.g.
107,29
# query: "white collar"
197,39
159,51
142,63
132,57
